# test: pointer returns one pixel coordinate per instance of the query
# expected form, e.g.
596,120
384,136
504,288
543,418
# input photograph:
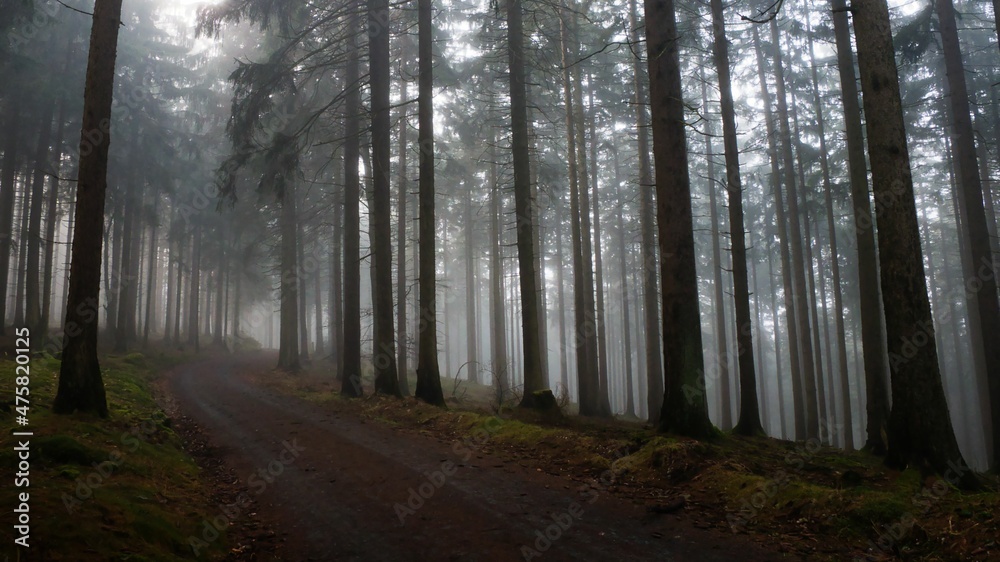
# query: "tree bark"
719,367
748,422
33,287
80,385
650,288
685,409
838,305
795,241
919,428
350,375
984,296
7,192
534,376
798,407
428,370
872,330
380,223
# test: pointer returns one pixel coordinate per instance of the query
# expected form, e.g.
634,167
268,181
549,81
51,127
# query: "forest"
718,254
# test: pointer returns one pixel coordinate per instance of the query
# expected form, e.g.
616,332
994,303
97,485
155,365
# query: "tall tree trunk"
52,212
872,330
402,194
795,240
113,269
683,364
22,252
626,322
749,419
154,262
301,275
337,274
498,320
720,362
384,337
650,289
288,338
838,306
8,187
428,370
127,280
534,376
919,429
350,348
974,215
181,245
602,336
194,289
33,286
471,314
588,378
220,294
791,311
80,384
561,303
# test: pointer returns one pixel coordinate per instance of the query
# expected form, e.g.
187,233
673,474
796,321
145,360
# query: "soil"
300,481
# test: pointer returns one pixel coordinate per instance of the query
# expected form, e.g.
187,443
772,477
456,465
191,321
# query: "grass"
120,488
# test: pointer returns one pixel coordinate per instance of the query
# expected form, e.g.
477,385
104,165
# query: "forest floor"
323,480
222,457
732,498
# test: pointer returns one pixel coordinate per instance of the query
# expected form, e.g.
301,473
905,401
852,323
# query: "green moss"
142,509
63,449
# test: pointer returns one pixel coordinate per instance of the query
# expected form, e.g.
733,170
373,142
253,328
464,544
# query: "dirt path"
329,485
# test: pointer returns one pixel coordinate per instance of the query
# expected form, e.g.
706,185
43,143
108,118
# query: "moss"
142,509
63,449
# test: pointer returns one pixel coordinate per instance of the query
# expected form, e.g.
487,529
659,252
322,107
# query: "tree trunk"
220,294
985,297
383,343
791,312
428,370
872,330
650,288
838,306
194,290
22,252
626,322
534,376
795,239
685,409
33,286
498,320
8,187
919,429
471,333
402,194
52,212
749,418
288,338
719,367
602,336
350,375
154,261
80,384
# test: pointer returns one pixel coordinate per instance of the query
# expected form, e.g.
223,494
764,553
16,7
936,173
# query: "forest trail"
336,497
